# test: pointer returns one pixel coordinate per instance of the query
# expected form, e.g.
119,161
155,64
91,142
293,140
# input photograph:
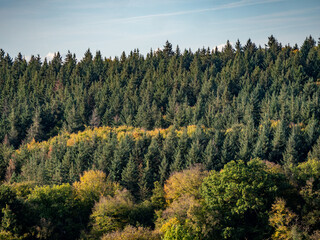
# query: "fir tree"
35,130
163,170
121,158
278,143
262,147
195,154
129,176
94,119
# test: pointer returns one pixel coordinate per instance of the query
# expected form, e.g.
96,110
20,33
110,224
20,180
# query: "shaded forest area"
175,145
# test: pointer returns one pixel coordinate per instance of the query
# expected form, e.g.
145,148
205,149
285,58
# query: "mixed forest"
211,144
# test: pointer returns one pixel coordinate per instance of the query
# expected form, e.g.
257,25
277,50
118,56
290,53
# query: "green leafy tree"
111,213
55,212
239,197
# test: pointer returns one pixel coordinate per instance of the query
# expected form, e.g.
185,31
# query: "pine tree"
211,154
5,152
246,141
195,154
13,133
66,163
230,146
178,162
104,153
278,143
121,158
312,131
181,150
169,146
153,158
262,147
95,119
35,130
315,152
129,177
73,120
167,49
146,180
295,150
290,156
163,170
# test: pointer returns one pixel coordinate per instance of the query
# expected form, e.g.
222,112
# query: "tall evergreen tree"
278,143
263,144
35,130
121,158
129,177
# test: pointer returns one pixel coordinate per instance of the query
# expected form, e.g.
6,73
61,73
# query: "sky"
44,27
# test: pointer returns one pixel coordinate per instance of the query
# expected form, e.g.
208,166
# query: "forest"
211,144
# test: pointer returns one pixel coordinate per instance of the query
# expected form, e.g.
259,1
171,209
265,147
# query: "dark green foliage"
121,158
181,151
161,89
129,177
250,96
55,212
35,130
239,198
278,142
230,147
243,102
262,147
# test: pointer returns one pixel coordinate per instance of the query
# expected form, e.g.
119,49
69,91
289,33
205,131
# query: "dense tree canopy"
162,144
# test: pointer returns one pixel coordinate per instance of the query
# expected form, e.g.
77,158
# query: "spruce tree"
211,155
95,119
230,146
169,146
178,162
129,177
13,133
246,141
153,157
35,130
278,143
315,152
163,170
195,154
146,180
121,158
262,147
290,156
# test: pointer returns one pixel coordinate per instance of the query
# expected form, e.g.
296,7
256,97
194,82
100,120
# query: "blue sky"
46,26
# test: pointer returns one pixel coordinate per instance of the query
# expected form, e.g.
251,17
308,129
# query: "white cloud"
27,58
221,46
50,56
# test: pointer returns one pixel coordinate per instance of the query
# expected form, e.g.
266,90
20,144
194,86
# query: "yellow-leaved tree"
184,183
93,184
282,220
184,209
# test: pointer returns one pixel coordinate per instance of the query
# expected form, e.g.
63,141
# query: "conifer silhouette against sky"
46,26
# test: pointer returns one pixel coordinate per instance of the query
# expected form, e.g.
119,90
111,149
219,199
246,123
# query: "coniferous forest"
211,144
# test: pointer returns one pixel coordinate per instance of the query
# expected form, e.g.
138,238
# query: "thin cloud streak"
239,4
281,14
275,18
